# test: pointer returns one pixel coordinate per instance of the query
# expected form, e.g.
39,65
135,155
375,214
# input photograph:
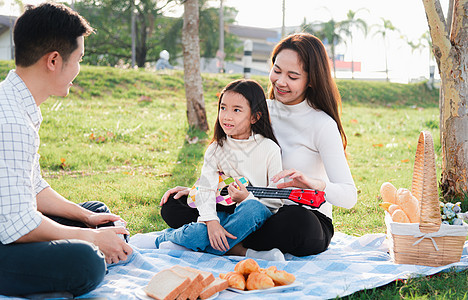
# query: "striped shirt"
20,173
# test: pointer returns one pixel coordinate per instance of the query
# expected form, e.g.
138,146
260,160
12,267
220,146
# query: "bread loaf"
388,193
208,277
409,204
166,285
399,216
216,286
194,288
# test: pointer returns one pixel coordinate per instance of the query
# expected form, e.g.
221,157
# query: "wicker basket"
428,243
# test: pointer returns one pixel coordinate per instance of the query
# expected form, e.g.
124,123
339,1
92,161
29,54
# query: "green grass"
121,137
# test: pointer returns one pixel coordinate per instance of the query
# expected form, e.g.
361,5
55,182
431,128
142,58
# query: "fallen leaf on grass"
377,145
405,160
354,121
63,165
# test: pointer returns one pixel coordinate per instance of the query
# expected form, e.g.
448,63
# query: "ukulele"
306,197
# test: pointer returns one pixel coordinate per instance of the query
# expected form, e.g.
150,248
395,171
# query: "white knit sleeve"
274,166
205,197
340,190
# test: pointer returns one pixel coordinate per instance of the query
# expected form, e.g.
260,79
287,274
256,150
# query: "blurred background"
365,39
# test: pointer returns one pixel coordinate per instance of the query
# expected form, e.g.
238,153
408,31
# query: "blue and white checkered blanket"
349,265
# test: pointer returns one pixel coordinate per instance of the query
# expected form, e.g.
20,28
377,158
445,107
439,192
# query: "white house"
6,37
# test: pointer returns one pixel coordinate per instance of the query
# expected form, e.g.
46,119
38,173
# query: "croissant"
279,277
259,281
235,280
247,266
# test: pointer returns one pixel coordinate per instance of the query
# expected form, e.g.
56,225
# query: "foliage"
154,31
113,22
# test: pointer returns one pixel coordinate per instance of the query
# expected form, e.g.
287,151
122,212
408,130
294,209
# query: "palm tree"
327,32
348,27
382,30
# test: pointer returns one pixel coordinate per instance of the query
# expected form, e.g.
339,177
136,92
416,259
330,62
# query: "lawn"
122,137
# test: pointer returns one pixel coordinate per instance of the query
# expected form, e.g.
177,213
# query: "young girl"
243,145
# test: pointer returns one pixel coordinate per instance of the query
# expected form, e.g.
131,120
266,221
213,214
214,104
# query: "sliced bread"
194,288
216,286
208,277
166,285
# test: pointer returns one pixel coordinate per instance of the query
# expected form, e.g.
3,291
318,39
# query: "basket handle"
424,185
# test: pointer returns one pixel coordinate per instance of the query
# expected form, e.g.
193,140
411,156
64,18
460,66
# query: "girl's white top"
311,143
256,158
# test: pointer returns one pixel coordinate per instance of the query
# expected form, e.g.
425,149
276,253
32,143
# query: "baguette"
216,286
166,285
194,288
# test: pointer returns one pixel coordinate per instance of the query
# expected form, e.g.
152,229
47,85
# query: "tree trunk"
196,114
141,49
450,47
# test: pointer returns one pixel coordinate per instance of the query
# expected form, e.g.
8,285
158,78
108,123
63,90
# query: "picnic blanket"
349,265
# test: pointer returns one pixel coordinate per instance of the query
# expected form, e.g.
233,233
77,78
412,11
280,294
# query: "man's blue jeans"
248,216
72,266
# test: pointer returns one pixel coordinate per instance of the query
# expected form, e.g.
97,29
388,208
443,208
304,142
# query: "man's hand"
113,247
218,235
95,219
237,191
179,191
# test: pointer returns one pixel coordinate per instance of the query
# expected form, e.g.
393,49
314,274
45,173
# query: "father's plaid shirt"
20,173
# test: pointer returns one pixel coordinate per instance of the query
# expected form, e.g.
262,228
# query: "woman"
305,113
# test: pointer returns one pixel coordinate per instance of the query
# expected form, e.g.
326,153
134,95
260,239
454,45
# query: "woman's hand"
298,180
237,191
179,191
218,235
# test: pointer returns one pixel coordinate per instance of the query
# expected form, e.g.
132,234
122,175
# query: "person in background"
305,108
163,61
38,253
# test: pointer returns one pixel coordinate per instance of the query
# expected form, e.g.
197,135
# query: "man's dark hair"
46,28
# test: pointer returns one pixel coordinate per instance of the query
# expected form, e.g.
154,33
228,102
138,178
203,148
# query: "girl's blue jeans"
248,216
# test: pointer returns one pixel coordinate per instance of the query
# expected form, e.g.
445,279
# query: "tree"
328,32
112,20
348,27
450,46
112,41
382,30
196,114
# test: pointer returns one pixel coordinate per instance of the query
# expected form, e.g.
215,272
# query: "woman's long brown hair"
322,92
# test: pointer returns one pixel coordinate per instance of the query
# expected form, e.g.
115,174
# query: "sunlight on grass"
121,137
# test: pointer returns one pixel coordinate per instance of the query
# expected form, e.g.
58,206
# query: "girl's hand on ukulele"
179,191
237,191
298,180
218,235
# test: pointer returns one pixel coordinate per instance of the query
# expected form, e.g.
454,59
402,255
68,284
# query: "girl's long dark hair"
253,92
322,92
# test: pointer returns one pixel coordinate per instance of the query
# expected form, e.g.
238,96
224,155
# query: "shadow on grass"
189,159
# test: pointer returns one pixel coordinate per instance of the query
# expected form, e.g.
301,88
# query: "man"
38,254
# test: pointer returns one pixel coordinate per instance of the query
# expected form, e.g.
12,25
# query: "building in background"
6,37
